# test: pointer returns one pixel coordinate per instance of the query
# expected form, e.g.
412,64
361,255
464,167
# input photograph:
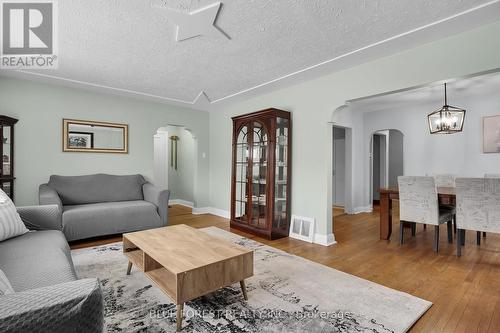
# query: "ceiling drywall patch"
200,22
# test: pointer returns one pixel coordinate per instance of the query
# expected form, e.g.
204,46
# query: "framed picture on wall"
491,134
80,140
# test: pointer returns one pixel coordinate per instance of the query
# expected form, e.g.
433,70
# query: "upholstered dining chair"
447,180
492,175
486,175
478,207
418,202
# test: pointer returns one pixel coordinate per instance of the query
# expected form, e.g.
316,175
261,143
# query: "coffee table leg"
180,310
129,267
244,289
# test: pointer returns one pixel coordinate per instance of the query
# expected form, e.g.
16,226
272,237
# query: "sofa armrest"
159,198
47,217
48,196
75,306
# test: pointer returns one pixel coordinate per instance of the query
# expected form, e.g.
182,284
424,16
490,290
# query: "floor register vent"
302,228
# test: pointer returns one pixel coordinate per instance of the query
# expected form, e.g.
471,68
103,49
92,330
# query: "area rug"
286,294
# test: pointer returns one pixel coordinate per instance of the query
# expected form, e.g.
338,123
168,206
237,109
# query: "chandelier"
447,120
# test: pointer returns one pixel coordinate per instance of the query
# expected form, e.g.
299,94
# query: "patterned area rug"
286,294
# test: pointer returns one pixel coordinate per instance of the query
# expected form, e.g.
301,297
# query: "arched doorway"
341,162
175,163
386,161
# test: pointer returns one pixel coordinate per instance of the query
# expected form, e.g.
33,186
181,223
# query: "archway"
339,119
341,160
175,163
386,161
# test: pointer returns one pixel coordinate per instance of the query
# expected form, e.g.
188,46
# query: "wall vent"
302,228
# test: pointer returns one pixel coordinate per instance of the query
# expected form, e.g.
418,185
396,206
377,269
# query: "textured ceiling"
130,46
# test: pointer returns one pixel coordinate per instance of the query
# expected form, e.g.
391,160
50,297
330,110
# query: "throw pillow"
11,224
5,287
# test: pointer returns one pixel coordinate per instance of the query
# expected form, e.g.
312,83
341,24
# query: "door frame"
334,173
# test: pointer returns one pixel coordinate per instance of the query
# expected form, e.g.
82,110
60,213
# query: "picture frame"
80,140
491,134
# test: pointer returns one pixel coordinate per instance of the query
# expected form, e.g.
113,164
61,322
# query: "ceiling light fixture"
447,120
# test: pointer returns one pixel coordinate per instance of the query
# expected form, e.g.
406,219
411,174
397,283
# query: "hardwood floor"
337,211
465,291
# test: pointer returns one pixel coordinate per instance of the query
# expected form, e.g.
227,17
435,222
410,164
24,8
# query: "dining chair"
490,175
478,207
447,180
418,202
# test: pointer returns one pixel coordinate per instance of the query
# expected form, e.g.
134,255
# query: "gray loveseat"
100,204
48,296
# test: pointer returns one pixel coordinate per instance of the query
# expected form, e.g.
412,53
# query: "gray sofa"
48,296
100,204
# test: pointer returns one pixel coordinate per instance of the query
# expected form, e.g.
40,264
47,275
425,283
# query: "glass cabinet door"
259,175
7,155
6,182
241,182
251,175
280,220
6,150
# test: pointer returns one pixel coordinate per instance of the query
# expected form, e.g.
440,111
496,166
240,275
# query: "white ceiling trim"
201,99
468,19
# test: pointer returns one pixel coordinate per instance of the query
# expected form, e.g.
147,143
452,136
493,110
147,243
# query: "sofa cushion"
11,224
108,218
71,307
5,287
78,190
36,259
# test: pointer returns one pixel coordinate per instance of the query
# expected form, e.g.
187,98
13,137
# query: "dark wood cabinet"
7,152
261,173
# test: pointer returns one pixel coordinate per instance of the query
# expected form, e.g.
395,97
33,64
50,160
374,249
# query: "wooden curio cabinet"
7,153
261,173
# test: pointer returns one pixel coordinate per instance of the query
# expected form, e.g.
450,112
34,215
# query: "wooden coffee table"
186,263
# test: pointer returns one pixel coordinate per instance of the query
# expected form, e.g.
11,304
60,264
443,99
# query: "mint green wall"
313,104
40,109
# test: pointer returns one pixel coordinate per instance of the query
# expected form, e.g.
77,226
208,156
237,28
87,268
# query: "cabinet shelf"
261,206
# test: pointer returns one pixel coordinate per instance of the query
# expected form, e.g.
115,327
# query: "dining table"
446,196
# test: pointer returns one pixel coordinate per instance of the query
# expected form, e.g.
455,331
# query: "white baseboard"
181,202
201,210
211,210
325,240
358,210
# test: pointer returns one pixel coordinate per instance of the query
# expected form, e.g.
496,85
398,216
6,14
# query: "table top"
444,191
181,248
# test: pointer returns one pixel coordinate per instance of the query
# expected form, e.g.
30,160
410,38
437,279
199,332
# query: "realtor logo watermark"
28,34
